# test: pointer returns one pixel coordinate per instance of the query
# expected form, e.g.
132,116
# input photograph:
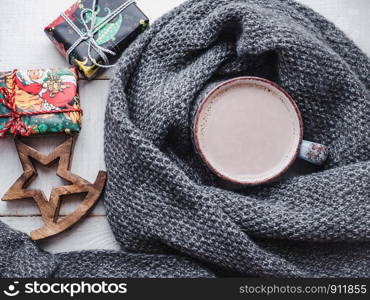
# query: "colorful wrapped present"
41,101
92,34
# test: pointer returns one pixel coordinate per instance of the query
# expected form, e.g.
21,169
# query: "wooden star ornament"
50,209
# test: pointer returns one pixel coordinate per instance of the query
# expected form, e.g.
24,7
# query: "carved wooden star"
50,209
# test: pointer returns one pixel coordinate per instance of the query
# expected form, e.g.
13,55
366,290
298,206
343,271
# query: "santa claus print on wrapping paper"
56,89
46,90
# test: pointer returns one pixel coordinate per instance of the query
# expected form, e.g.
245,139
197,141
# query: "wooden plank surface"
24,45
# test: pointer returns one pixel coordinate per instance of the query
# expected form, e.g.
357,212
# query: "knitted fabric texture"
172,216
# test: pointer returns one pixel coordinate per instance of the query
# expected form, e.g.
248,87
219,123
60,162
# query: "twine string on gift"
88,36
15,124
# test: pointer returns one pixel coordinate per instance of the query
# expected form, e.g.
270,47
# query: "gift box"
40,101
92,34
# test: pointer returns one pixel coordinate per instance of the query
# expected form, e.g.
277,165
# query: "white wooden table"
24,45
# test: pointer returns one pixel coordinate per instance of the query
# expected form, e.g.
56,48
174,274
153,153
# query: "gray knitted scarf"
171,216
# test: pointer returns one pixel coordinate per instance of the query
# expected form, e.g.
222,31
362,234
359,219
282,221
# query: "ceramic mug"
249,131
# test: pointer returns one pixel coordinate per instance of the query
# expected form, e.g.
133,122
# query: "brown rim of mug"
210,94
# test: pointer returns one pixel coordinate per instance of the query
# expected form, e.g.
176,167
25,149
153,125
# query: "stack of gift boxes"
91,35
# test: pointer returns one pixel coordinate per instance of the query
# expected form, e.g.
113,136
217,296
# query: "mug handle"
314,153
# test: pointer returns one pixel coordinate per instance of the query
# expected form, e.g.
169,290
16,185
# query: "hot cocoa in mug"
249,131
